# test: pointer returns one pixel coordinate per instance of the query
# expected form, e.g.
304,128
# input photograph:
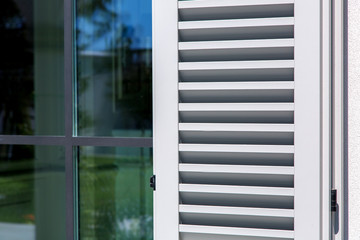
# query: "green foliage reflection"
115,199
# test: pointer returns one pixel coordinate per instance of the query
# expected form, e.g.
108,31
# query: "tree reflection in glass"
114,68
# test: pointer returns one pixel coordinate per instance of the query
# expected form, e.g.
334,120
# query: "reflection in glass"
114,195
31,67
114,70
32,192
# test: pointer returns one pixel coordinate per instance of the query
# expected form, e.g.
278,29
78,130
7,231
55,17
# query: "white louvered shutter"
237,119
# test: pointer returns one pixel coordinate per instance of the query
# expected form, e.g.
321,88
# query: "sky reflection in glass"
114,70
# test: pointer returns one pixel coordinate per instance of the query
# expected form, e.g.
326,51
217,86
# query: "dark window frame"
70,141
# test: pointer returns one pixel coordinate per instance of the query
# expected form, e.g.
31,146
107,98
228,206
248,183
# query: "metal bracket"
333,200
153,182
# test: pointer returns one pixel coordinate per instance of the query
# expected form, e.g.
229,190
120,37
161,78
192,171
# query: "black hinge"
333,200
153,182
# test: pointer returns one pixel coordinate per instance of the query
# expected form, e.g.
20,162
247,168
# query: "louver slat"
194,232
234,9
274,70
236,119
236,29
237,50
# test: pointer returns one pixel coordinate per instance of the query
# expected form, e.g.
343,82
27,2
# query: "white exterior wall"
354,118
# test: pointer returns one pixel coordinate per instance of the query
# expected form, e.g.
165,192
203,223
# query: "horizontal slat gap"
233,137
241,221
230,71
204,86
231,92
269,49
237,179
229,3
237,158
261,218
236,116
237,211
232,9
236,127
236,29
227,148
243,175
267,233
223,107
215,168
237,199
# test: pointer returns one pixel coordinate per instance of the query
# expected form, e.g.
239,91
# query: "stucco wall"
354,117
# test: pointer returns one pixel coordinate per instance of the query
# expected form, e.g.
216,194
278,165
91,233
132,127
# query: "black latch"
153,182
333,200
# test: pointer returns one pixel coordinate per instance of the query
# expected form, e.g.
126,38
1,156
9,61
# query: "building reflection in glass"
114,68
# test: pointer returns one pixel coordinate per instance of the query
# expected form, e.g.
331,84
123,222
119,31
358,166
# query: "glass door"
76,120
113,95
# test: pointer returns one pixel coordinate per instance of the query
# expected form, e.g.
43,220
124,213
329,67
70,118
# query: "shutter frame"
165,119
188,94
307,159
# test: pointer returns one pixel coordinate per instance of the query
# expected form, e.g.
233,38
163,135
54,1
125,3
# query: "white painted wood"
244,23
242,190
237,158
215,168
238,232
237,199
165,119
268,49
307,120
274,70
235,92
236,29
266,212
240,127
260,49
236,107
217,136
235,85
229,3
236,65
339,164
229,52
353,115
236,44
326,119
232,148
239,217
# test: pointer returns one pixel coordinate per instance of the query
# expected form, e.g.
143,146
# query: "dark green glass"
32,193
114,68
32,67
115,200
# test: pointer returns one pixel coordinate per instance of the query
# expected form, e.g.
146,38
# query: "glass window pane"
114,68
31,67
32,192
115,199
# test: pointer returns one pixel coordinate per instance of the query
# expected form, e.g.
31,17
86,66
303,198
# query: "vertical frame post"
307,119
68,81
326,119
338,116
165,119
